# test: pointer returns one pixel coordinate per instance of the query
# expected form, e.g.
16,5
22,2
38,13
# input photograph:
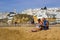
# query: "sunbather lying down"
41,25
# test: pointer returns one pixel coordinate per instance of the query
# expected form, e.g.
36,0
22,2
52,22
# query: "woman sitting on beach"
38,26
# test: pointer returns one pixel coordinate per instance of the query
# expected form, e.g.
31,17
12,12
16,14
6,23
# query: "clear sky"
9,5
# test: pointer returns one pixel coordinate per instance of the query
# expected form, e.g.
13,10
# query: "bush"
22,18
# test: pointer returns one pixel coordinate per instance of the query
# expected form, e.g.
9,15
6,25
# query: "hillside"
21,18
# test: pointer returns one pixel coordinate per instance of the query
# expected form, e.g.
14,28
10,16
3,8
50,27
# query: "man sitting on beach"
45,25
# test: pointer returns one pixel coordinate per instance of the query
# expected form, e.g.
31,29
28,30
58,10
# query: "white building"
39,11
49,13
28,11
3,15
10,17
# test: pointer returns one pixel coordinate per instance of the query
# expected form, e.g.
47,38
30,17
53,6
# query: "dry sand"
23,33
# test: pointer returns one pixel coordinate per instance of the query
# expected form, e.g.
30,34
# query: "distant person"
15,23
32,21
45,25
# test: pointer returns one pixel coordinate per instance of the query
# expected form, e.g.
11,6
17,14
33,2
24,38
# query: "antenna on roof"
44,3
14,10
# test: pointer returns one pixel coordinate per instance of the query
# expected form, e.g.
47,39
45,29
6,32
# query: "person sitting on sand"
38,26
41,25
45,25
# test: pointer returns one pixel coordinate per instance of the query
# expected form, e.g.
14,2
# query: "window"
39,15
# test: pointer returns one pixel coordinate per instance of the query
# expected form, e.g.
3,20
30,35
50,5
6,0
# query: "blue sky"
20,5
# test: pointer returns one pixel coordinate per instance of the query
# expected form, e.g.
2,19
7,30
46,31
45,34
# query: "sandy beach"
23,33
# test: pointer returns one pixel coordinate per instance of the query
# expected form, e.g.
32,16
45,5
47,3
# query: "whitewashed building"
39,11
3,15
10,17
49,13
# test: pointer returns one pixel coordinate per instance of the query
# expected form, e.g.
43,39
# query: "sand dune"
23,33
